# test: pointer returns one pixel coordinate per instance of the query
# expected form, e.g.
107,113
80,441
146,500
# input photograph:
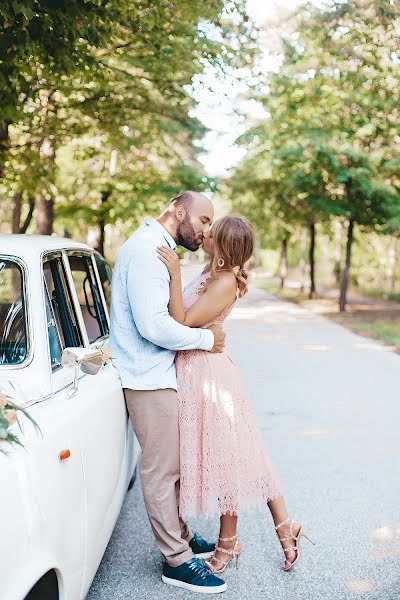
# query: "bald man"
144,339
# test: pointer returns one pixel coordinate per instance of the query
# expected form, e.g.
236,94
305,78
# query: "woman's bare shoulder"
225,282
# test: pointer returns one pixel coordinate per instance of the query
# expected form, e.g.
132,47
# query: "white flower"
11,416
106,354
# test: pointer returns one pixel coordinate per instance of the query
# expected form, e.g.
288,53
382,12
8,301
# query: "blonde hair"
234,240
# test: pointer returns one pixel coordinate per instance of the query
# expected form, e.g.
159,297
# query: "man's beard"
185,235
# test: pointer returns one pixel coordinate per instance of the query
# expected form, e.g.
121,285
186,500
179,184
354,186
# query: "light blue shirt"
143,335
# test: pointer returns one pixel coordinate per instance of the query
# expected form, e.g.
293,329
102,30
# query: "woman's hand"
170,259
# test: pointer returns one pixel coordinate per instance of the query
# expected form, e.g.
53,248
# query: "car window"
89,297
61,309
105,274
56,340
13,325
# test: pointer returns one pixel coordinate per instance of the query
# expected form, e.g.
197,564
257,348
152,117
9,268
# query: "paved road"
328,405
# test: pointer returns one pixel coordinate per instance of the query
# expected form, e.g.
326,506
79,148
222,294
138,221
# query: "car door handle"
64,454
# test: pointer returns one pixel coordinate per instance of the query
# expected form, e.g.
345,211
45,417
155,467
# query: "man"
144,339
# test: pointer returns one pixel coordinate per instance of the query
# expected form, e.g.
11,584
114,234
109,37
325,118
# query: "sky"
216,107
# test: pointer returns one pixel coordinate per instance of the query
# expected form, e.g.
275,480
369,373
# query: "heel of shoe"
233,553
304,534
290,537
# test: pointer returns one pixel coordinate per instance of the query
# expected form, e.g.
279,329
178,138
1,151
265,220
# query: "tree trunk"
29,216
338,226
391,267
4,143
44,215
303,249
100,239
346,272
283,266
379,246
16,213
16,226
312,260
45,206
257,252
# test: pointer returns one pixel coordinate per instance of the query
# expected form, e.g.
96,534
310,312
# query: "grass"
377,327
379,320
293,295
380,294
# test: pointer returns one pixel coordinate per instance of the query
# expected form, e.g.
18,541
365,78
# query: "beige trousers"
154,416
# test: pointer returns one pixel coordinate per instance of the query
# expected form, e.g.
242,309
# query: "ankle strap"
288,520
231,552
229,539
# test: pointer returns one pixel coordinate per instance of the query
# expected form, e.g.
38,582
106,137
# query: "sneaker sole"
194,588
205,555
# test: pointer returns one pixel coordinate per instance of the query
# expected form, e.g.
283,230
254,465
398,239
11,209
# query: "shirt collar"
166,235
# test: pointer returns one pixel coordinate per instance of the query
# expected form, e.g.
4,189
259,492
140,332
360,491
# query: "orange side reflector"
64,454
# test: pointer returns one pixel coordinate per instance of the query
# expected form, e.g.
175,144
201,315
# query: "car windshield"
13,334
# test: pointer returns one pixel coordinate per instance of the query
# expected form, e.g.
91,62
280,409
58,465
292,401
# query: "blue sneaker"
193,575
200,547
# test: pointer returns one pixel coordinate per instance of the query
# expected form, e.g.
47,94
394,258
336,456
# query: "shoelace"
199,567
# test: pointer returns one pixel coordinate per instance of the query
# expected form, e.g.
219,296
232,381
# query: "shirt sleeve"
148,291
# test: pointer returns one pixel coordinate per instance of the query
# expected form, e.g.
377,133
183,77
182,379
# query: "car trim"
52,394
88,253
95,252
55,375
28,317
75,298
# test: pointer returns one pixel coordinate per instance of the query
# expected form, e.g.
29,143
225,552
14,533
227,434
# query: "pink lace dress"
224,465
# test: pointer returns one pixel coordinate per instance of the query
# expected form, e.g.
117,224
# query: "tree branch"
29,216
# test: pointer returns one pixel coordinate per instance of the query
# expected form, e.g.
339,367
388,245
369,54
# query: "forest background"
100,126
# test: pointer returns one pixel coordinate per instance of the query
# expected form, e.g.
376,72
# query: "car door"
103,427
54,470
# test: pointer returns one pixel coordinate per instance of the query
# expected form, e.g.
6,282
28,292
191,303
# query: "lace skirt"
224,465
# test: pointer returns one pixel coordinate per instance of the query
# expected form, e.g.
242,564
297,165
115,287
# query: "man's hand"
219,338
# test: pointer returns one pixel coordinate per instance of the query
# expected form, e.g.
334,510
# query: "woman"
224,465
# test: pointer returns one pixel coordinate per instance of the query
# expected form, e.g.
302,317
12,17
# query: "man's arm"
148,292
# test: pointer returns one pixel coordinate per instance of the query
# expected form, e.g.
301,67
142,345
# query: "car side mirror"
86,359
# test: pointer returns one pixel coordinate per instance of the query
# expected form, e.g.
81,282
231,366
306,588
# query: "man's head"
188,218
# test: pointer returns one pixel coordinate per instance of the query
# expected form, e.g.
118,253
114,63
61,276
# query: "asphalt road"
328,405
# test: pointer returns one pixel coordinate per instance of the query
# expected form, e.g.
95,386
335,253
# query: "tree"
117,84
363,199
57,38
332,120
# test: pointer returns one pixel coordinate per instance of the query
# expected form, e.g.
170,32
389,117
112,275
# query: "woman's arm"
171,260
218,295
148,292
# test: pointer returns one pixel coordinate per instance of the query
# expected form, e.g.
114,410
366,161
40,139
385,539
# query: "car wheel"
45,589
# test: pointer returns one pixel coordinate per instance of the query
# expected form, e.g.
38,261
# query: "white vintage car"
61,493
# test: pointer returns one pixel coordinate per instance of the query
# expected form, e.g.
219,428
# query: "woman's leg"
227,529
228,526
278,510
279,514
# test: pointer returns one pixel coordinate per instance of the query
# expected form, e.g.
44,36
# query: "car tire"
46,588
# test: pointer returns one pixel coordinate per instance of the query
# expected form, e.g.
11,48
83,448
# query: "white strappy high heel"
295,538
233,552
